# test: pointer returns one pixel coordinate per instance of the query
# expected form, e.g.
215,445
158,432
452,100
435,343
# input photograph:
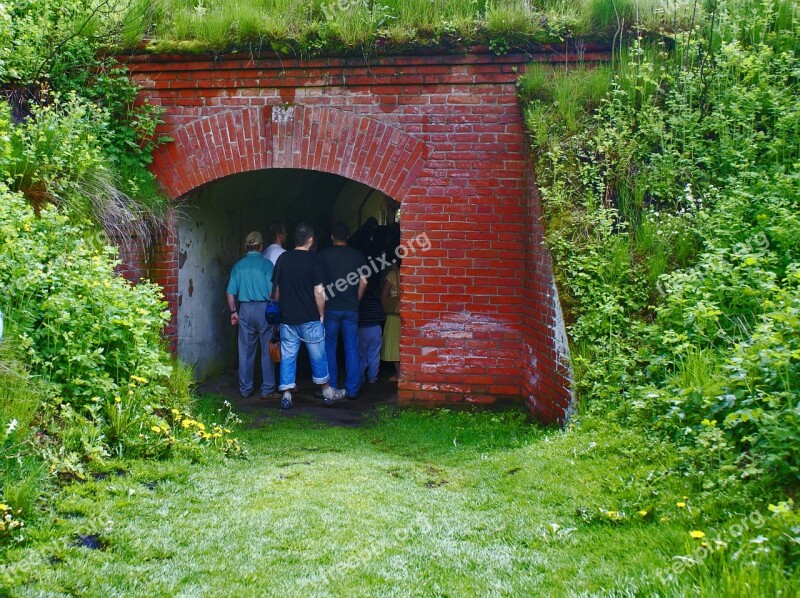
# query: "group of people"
337,291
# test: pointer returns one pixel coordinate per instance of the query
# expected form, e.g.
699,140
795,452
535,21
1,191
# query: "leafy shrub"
95,338
672,215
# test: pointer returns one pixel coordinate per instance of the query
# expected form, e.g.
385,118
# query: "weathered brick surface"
444,135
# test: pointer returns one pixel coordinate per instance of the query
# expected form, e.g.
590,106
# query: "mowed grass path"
414,504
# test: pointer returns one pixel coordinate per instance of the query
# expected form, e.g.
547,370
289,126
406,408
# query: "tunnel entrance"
442,133
212,224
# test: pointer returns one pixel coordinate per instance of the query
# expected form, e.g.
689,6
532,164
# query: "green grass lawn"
414,504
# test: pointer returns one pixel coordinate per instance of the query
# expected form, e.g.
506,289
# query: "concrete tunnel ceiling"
213,221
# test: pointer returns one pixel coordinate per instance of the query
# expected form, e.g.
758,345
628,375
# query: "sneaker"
337,395
286,401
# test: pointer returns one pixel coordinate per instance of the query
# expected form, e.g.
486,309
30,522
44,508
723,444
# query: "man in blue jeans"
298,282
346,270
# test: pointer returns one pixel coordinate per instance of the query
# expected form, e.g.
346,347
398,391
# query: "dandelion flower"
680,505
156,429
697,534
643,513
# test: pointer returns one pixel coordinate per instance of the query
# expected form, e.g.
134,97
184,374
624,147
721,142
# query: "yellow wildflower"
643,513
697,534
156,429
174,411
117,400
680,505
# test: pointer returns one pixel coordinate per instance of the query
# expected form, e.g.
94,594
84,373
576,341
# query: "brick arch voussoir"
318,138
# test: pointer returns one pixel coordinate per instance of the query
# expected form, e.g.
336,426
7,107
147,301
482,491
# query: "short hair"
302,233
339,231
273,230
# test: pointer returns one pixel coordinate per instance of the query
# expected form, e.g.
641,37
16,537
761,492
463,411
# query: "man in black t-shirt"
346,273
298,282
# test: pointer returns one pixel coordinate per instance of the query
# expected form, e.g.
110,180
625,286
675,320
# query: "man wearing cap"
250,285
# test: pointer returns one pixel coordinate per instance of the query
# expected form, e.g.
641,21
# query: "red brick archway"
294,136
442,134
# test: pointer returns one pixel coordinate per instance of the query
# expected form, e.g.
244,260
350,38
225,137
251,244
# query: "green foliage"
57,154
92,335
21,402
672,213
358,27
98,381
83,139
74,146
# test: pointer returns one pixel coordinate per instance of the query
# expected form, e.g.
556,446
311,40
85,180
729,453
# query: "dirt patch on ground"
344,413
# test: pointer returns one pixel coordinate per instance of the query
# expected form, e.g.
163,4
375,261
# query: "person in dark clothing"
370,335
362,238
298,280
346,272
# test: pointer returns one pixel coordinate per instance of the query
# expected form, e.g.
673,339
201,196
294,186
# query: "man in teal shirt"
251,285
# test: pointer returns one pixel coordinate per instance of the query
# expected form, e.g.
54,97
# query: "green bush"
94,338
672,216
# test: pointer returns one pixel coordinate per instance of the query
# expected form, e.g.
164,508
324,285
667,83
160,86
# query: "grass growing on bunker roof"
308,27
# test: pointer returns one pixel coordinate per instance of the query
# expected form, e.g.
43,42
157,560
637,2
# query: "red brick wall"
444,135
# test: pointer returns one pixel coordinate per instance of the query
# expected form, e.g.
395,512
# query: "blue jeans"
313,335
370,339
347,322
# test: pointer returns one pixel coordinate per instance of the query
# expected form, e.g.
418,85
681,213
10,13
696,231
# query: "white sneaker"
336,395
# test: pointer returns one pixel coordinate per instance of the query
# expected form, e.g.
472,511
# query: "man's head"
340,233
371,224
276,234
303,236
253,241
